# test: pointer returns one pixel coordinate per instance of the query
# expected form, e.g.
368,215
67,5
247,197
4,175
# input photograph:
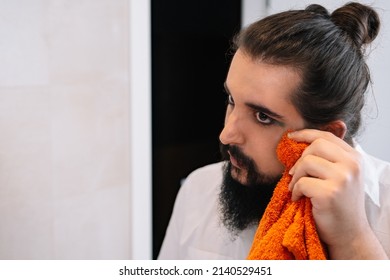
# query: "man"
304,71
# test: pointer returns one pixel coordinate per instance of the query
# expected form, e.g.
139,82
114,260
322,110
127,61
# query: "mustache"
253,176
234,151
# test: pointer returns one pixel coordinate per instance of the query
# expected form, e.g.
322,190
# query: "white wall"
252,10
66,187
141,128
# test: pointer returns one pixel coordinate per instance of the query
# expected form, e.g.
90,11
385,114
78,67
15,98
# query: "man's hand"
329,173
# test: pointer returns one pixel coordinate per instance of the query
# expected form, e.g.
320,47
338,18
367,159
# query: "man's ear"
338,128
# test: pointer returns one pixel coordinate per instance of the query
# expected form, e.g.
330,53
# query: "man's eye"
230,100
263,118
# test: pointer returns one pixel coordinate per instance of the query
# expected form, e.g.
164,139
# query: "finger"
310,166
325,149
310,187
310,135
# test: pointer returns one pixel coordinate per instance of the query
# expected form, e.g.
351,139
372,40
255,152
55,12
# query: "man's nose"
232,134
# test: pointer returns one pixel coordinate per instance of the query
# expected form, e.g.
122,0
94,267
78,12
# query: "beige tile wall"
64,129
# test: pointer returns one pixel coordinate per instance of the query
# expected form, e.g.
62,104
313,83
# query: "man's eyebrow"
258,107
265,110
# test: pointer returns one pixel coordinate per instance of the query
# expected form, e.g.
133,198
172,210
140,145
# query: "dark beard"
241,205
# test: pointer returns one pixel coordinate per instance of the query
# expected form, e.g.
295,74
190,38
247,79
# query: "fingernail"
290,134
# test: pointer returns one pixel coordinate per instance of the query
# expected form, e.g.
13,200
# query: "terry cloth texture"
287,229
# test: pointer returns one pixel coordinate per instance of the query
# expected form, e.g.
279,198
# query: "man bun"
360,22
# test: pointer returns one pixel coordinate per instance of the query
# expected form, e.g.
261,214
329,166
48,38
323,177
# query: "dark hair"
328,50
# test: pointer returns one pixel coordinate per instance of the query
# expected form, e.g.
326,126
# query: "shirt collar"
371,175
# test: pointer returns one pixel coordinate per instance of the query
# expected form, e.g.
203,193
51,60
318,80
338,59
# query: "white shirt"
195,231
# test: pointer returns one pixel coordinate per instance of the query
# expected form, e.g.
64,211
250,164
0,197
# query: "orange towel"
287,229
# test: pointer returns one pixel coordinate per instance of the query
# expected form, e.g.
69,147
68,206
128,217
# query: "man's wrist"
363,246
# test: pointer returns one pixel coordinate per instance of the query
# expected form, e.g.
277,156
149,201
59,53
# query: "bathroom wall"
65,182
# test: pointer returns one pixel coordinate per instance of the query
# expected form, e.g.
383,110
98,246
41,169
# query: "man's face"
259,111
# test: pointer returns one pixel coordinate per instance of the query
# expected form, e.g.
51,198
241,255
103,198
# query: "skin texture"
259,111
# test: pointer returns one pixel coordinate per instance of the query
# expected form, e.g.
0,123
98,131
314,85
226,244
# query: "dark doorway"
190,43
